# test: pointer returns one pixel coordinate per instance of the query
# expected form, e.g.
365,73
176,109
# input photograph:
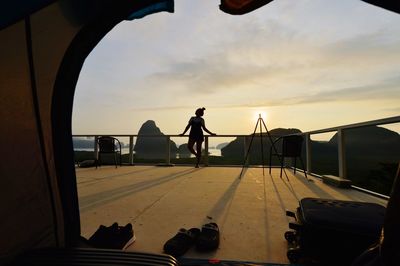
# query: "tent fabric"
13,11
389,5
158,7
43,47
25,191
240,7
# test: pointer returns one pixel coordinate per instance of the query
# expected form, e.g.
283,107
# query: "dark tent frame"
94,18
62,102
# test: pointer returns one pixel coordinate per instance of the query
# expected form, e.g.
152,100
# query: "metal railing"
167,143
341,133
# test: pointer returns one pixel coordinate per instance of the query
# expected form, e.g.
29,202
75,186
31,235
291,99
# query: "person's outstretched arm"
203,125
186,129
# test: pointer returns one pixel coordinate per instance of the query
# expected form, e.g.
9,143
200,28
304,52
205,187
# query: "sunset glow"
311,65
258,114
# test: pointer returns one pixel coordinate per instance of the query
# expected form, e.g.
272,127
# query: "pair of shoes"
206,239
113,237
181,242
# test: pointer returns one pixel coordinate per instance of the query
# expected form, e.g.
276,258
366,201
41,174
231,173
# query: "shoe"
113,237
181,242
125,237
208,239
102,236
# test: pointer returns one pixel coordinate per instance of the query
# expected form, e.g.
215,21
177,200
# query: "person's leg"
198,149
190,147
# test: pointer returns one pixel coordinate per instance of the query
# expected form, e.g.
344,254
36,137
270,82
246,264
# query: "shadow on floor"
91,201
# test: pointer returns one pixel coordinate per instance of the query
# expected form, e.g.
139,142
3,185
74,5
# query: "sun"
258,114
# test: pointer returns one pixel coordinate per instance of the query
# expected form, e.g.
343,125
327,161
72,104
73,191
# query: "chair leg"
270,161
282,159
294,165
304,169
115,159
98,161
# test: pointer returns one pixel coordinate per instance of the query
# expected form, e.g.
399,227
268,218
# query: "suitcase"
333,231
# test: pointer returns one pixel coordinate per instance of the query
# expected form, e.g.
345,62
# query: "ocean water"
213,152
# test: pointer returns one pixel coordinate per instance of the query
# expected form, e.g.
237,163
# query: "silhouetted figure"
196,125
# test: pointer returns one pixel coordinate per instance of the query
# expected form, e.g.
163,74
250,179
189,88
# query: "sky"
306,64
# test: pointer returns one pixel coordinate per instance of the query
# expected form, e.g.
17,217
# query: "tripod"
260,123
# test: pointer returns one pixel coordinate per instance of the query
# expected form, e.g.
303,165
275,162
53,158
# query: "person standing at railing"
196,125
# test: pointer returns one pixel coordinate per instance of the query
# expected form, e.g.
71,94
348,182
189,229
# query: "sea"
213,152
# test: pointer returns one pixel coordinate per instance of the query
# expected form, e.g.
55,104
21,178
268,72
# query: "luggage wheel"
291,214
290,236
295,226
294,254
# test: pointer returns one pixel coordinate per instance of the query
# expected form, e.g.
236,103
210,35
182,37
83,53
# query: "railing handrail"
383,121
164,135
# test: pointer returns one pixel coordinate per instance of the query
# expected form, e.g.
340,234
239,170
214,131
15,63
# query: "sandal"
181,242
209,237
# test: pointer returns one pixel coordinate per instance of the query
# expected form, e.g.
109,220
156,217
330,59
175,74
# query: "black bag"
335,231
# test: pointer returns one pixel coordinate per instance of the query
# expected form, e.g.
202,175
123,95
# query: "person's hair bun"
203,108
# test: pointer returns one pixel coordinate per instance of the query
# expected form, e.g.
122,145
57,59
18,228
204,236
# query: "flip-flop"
181,242
209,237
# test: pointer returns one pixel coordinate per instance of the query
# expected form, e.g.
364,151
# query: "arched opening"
277,47
44,75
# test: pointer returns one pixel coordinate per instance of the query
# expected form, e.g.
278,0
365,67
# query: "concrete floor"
159,200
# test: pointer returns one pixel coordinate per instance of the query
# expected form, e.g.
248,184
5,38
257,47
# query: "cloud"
395,111
385,89
273,57
288,63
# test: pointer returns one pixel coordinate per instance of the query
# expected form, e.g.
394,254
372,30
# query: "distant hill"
83,143
362,144
372,154
183,151
373,140
236,148
221,145
152,147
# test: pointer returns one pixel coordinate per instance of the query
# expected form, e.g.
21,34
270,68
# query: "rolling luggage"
333,231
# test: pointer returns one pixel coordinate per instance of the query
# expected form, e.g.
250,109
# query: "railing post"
131,150
308,153
341,153
96,149
168,157
206,151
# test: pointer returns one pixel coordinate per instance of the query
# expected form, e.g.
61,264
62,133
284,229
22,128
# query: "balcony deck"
159,200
